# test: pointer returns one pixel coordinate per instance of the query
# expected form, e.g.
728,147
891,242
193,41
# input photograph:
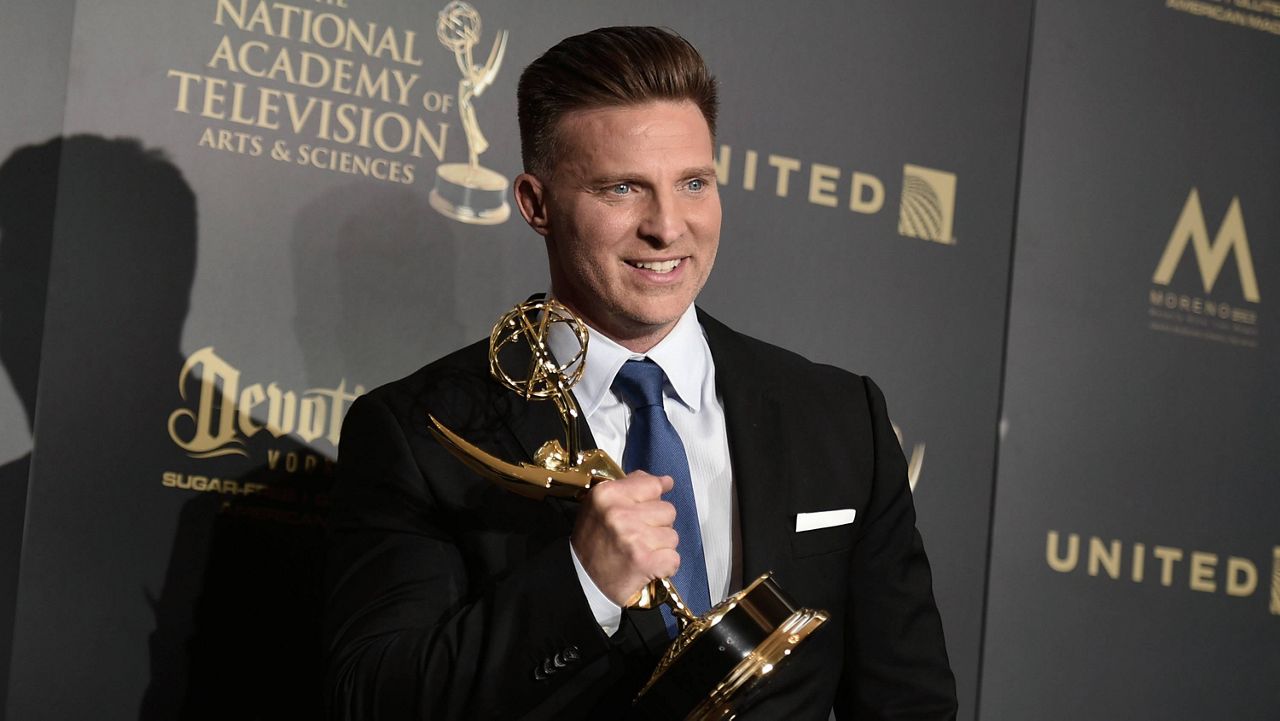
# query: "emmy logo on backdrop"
718,663
469,192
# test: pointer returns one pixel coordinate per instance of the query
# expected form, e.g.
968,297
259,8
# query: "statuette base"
470,194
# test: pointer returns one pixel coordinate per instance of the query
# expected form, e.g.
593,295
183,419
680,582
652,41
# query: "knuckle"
642,487
670,562
654,485
595,501
637,556
659,539
614,517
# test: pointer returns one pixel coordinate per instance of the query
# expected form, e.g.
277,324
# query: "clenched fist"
624,536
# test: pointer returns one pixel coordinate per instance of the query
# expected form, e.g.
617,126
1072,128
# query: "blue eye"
620,188
696,184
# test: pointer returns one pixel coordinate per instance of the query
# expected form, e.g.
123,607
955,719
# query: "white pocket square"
824,519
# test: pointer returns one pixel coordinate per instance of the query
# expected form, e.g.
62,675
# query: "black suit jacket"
452,599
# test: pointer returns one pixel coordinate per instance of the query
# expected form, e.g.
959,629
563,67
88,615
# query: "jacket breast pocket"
819,541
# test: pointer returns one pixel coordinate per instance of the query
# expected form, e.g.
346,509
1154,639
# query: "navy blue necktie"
654,446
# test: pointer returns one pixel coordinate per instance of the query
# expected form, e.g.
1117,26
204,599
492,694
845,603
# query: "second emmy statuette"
469,192
718,661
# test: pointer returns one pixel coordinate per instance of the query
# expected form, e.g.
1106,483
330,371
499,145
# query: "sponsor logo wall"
1133,568
265,209
332,178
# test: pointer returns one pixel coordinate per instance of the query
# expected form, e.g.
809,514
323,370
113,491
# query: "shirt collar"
682,355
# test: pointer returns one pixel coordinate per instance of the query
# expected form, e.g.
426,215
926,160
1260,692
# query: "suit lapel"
759,474
534,422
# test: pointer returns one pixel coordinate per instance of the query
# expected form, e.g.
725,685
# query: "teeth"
665,266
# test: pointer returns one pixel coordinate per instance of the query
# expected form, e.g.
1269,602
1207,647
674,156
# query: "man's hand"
624,536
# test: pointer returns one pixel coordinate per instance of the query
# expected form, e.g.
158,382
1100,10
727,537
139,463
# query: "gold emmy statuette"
469,192
719,661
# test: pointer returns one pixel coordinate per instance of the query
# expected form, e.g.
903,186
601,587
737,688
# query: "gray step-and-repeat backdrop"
1049,233
34,53
1135,568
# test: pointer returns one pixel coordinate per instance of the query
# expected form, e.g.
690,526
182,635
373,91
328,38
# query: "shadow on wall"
237,621
239,617
127,229
126,233
28,189
237,632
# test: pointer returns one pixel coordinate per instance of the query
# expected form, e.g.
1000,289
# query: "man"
451,598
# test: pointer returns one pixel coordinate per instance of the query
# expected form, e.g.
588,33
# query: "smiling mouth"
659,266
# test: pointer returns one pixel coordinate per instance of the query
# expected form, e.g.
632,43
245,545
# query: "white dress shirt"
689,398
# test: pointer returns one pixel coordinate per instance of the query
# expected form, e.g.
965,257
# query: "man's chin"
650,327
635,317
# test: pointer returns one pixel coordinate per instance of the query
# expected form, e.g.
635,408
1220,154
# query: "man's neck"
638,340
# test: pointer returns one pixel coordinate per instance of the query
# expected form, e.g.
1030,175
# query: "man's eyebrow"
699,171
611,179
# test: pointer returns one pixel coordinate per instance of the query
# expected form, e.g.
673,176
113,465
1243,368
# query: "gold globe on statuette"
719,662
469,192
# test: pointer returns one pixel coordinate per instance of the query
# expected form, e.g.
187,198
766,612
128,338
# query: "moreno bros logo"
1178,306
1210,257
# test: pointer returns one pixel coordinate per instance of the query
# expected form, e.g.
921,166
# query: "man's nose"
663,221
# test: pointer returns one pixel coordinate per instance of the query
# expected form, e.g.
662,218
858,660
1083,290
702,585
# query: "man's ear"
531,198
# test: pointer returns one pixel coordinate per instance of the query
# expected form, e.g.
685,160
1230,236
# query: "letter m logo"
1210,257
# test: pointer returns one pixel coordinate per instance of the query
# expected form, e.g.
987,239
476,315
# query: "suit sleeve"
896,659
408,635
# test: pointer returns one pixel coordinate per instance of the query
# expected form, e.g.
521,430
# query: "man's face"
631,215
